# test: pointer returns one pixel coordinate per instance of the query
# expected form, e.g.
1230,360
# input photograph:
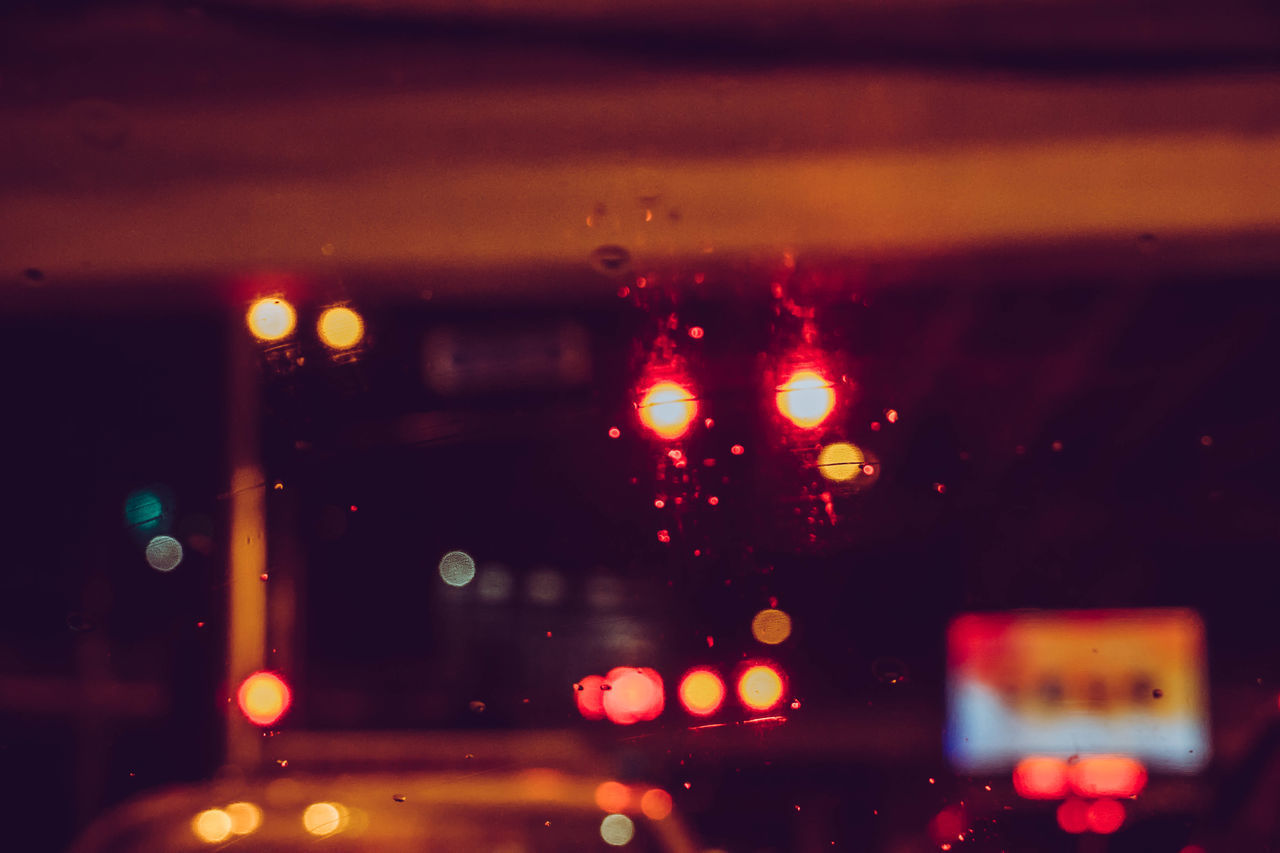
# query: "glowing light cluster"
264,698
628,695
1046,778
668,409
806,398
216,825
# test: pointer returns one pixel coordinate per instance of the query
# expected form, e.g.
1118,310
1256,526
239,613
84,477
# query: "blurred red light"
1105,816
634,694
737,450
1040,778
263,698
806,398
590,697
667,409
1073,816
947,825
613,796
656,804
1107,776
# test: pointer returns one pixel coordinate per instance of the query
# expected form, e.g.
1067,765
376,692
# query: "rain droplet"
476,706
399,798
33,275
79,622
1157,693
611,260
889,670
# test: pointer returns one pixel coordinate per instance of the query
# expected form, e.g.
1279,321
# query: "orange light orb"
656,804
806,398
760,687
668,409
613,796
271,319
701,692
263,698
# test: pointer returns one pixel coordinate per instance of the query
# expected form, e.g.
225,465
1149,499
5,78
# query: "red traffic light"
806,398
632,694
668,409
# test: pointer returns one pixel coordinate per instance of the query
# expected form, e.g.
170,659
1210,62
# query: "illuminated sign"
1077,683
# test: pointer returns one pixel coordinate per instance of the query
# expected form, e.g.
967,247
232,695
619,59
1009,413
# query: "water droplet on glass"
399,798
33,275
79,622
889,670
1157,693
476,706
611,260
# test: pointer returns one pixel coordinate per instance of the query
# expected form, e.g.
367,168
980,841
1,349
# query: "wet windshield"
427,433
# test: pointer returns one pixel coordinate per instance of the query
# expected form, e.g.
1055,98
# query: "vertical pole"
247,551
